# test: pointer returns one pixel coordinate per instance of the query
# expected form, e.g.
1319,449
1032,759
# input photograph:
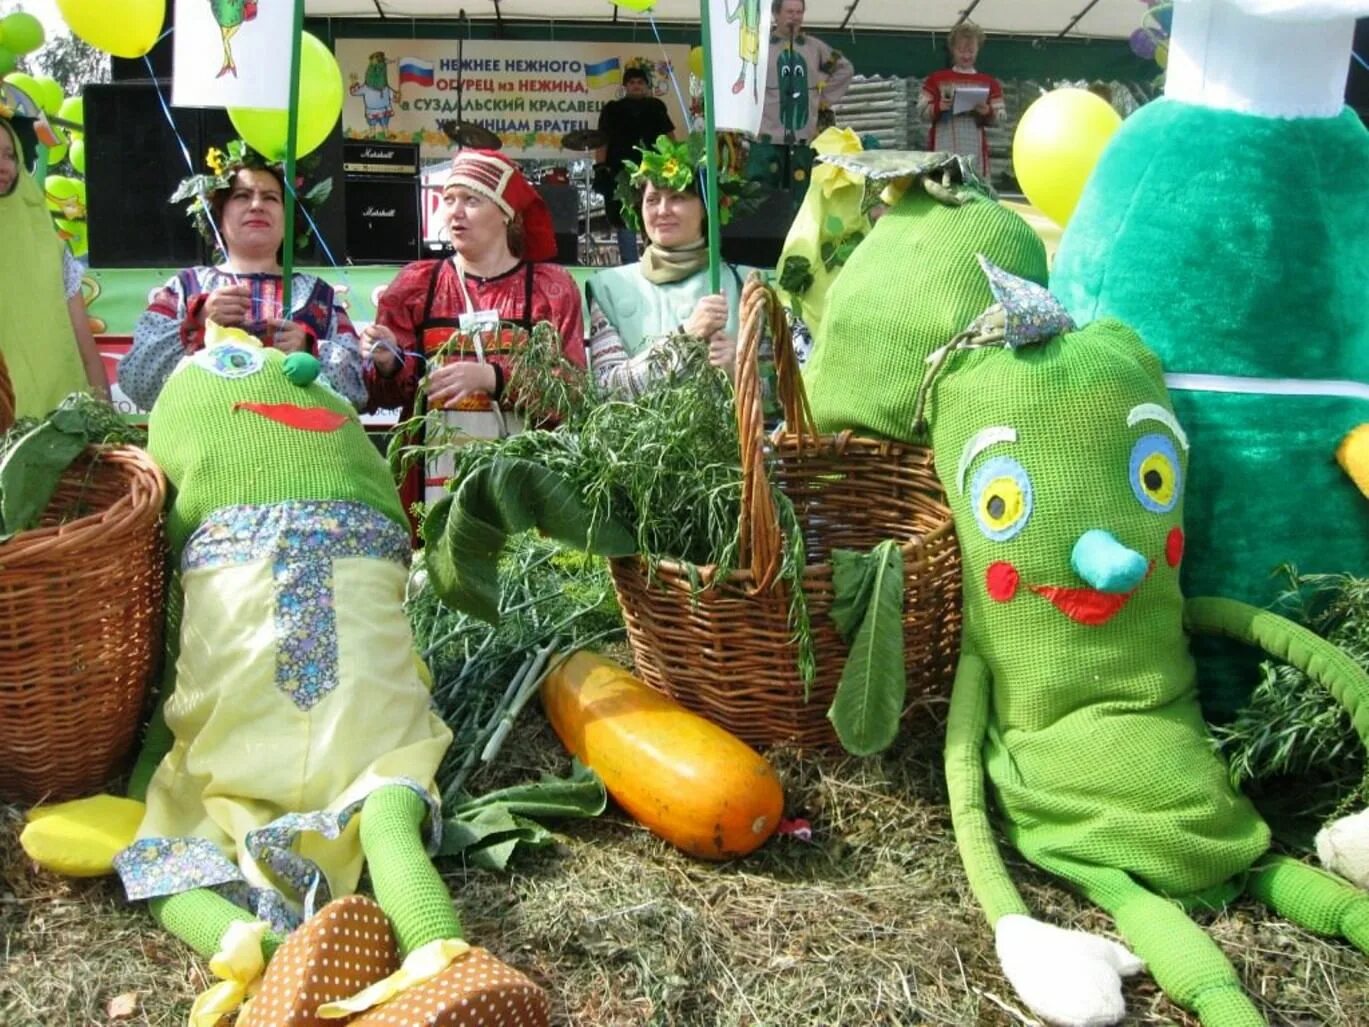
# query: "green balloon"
23,33
53,96
73,109
8,61
28,85
76,156
320,104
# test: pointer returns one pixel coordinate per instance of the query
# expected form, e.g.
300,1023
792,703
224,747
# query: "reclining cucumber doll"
301,740
1076,695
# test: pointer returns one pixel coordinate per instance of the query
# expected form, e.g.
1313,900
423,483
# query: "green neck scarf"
661,266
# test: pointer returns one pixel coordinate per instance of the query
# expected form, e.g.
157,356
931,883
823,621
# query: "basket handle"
761,544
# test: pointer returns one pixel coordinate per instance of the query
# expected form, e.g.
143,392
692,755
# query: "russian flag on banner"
416,71
604,73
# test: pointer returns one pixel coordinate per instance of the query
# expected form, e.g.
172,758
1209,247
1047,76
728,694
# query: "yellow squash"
684,778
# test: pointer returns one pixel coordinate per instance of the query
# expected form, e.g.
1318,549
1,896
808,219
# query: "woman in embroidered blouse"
244,291
635,308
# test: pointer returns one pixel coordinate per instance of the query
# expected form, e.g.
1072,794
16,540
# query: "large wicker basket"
727,652
80,627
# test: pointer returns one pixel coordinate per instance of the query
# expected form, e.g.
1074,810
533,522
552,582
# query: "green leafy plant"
868,612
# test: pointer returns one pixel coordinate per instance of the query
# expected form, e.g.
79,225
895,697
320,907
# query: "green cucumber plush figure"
1228,223
1076,699
299,739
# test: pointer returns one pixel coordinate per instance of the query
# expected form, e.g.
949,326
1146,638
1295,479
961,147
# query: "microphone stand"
460,75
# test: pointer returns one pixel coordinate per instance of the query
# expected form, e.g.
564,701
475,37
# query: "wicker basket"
726,652
80,627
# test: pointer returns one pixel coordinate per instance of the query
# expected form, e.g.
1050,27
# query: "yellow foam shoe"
81,838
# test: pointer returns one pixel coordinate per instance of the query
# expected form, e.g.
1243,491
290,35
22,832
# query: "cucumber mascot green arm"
1228,223
1076,701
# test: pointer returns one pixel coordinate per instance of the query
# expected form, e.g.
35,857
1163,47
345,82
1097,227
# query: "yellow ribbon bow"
238,965
421,966
830,176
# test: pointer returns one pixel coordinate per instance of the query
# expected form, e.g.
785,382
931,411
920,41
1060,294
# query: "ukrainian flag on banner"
604,73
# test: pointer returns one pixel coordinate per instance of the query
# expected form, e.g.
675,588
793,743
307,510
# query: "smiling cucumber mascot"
301,739
1228,223
1075,703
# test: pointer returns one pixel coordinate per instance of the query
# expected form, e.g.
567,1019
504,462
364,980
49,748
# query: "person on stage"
634,309
626,124
245,197
806,78
960,102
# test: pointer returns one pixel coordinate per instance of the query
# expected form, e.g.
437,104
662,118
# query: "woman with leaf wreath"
240,206
635,309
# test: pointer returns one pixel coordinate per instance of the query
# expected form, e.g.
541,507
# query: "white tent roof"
1110,19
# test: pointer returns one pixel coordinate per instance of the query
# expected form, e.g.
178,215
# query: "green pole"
40,164
711,158
291,135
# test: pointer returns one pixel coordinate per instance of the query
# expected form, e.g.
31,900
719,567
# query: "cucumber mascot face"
793,72
1076,697
1228,223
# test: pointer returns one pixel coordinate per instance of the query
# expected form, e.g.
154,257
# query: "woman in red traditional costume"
477,307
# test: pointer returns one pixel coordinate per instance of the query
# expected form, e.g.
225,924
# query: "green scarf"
36,337
661,266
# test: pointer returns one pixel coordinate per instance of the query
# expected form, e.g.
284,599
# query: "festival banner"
232,53
740,52
529,95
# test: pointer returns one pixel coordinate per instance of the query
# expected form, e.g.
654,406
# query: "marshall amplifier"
370,157
384,224
382,220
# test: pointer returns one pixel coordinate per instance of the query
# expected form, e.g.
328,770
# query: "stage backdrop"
529,94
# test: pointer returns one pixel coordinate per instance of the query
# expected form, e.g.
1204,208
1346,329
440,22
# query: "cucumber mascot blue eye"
1076,702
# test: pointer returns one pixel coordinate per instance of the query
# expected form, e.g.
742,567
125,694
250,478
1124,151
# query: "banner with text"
529,95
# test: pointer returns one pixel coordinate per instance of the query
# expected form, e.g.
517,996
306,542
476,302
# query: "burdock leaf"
870,694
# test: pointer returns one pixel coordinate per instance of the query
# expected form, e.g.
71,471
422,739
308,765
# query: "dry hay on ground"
869,924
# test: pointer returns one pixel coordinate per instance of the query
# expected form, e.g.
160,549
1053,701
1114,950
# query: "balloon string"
1363,63
189,161
684,107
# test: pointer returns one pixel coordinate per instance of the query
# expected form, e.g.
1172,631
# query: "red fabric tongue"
303,418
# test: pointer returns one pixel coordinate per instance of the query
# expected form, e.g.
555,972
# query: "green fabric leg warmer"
199,917
1181,957
407,885
1312,898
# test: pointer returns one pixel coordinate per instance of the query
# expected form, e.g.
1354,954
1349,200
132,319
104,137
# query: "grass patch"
869,924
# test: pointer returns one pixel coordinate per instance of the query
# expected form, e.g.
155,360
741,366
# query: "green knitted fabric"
1239,245
911,285
406,884
240,456
199,917
1118,696
1312,898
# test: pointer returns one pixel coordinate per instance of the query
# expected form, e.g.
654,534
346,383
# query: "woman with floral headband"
46,347
477,308
243,197
635,308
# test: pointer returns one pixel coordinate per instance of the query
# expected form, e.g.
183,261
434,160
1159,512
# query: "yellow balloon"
128,28
1058,141
696,61
320,104
636,5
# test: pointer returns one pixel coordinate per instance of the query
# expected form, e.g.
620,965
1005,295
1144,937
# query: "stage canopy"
1076,19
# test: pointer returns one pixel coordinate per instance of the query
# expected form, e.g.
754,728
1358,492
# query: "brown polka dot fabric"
475,991
344,947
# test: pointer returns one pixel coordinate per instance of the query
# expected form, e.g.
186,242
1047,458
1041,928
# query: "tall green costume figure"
298,740
1075,698
1228,223
36,338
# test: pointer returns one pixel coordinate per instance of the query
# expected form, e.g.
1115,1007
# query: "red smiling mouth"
1085,605
303,418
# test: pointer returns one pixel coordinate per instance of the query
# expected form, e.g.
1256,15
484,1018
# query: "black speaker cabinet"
383,223
564,206
134,163
757,238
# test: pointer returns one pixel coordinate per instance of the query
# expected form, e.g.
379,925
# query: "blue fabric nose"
1106,564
